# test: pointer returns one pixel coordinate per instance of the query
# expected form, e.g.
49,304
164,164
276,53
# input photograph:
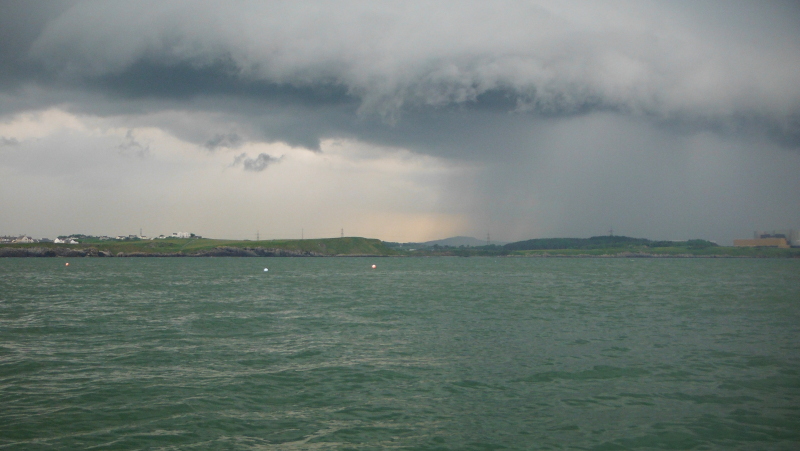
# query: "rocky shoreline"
222,251
230,251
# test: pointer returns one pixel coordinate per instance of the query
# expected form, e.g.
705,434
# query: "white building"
181,235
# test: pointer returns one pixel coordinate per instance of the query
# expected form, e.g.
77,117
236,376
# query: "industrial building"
783,239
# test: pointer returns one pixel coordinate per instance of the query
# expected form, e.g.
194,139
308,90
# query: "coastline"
370,247
229,251
224,251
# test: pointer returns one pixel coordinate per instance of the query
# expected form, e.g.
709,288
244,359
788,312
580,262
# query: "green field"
641,251
205,246
559,247
719,252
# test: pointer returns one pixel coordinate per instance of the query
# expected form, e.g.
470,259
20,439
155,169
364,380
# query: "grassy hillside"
199,246
622,245
606,242
666,251
553,247
614,246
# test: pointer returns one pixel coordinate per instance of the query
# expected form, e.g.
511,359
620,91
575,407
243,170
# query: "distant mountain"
456,241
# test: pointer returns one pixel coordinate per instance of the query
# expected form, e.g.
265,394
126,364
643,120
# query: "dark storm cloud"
226,140
21,23
8,141
257,164
131,147
657,117
181,80
716,65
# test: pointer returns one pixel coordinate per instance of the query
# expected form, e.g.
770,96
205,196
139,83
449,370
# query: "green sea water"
419,353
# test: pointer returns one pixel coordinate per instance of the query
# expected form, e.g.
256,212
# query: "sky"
403,121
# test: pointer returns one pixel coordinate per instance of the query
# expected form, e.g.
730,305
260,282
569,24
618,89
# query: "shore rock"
51,252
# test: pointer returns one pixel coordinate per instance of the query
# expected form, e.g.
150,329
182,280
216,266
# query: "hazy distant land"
602,246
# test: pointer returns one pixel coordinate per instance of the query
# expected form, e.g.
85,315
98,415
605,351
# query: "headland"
595,247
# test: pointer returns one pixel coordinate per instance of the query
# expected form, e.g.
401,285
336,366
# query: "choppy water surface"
421,353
